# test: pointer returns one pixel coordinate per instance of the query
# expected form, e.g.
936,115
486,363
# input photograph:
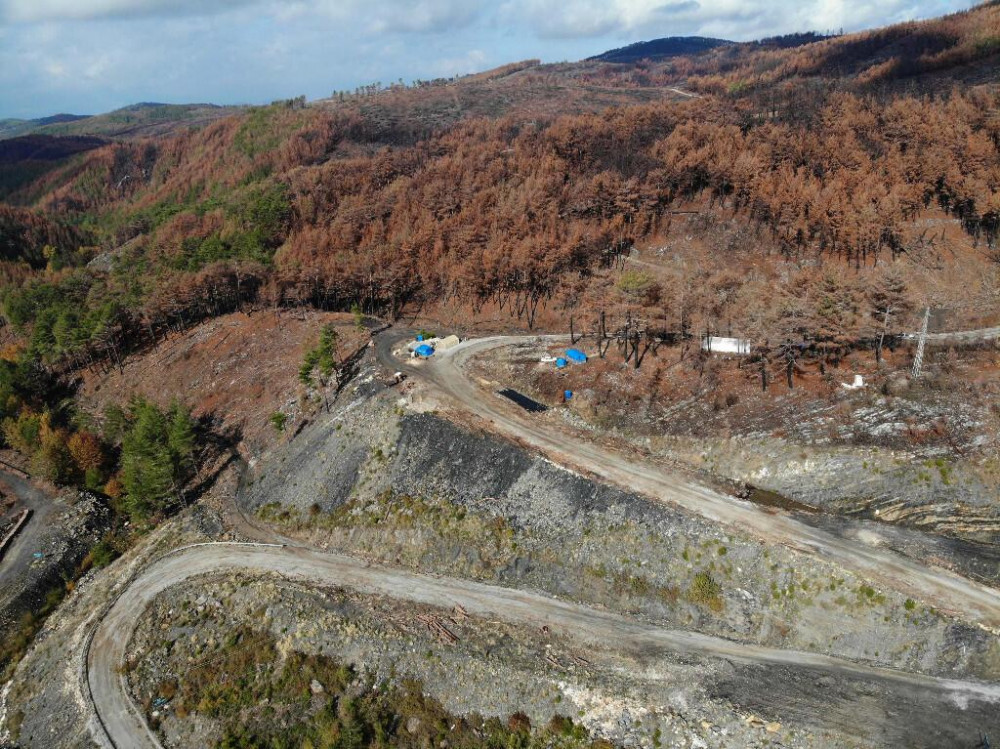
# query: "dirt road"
962,336
969,703
938,587
124,726
19,555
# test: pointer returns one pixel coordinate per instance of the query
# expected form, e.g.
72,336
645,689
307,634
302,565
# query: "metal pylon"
918,360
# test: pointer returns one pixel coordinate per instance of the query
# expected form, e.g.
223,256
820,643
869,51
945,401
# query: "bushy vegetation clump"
142,457
706,591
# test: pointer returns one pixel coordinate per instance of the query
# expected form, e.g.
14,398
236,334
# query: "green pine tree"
147,463
181,440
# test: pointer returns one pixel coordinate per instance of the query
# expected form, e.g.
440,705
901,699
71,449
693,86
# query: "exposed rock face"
435,496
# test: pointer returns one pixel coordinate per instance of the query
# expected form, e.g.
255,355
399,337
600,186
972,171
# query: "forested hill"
798,191
11,128
137,120
660,49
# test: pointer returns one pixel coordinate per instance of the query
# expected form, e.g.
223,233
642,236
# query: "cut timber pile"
436,625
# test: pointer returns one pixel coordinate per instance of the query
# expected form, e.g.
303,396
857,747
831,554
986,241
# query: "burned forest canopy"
826,185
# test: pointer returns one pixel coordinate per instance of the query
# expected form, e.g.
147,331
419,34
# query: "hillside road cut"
121,723
938,587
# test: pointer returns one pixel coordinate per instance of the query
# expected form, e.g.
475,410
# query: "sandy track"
125,727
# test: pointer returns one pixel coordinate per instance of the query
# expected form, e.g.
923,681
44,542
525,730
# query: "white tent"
716,345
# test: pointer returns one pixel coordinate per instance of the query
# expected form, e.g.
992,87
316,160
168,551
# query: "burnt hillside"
523,188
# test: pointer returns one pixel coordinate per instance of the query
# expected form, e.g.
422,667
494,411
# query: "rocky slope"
377,479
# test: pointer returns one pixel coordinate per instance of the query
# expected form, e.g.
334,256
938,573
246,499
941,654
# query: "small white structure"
444,344
859,382
717,345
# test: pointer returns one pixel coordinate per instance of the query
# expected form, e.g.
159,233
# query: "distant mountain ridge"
661,49
135,120
11,128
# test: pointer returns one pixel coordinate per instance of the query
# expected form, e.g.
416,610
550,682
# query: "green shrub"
102,554
278,421
706,592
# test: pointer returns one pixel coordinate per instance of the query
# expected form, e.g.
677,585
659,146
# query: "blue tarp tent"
424,351
576,355
560,362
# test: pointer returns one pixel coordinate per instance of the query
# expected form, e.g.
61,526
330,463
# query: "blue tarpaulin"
420,336
567,394
425,350
576,355
560,362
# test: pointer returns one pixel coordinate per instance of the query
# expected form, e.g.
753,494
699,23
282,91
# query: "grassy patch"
261,700
706,592
492,536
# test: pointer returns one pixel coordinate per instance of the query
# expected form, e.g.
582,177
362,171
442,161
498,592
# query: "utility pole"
881,338
918,360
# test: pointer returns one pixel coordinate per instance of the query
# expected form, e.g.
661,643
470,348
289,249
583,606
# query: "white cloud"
94,55
391,16
735,19
472,61
545,18
31,11
373,15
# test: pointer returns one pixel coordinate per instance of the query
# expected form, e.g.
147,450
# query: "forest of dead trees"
286,205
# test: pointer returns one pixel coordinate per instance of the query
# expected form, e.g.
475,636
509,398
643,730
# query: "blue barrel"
567,394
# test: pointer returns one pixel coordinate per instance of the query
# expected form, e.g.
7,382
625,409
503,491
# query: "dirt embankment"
473,665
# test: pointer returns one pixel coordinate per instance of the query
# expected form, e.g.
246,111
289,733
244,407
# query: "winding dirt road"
938,587
120,723
124,726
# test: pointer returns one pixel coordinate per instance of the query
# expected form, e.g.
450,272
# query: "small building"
718,345
859,382
446,343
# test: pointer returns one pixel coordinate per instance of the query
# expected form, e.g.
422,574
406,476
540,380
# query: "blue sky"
91,56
